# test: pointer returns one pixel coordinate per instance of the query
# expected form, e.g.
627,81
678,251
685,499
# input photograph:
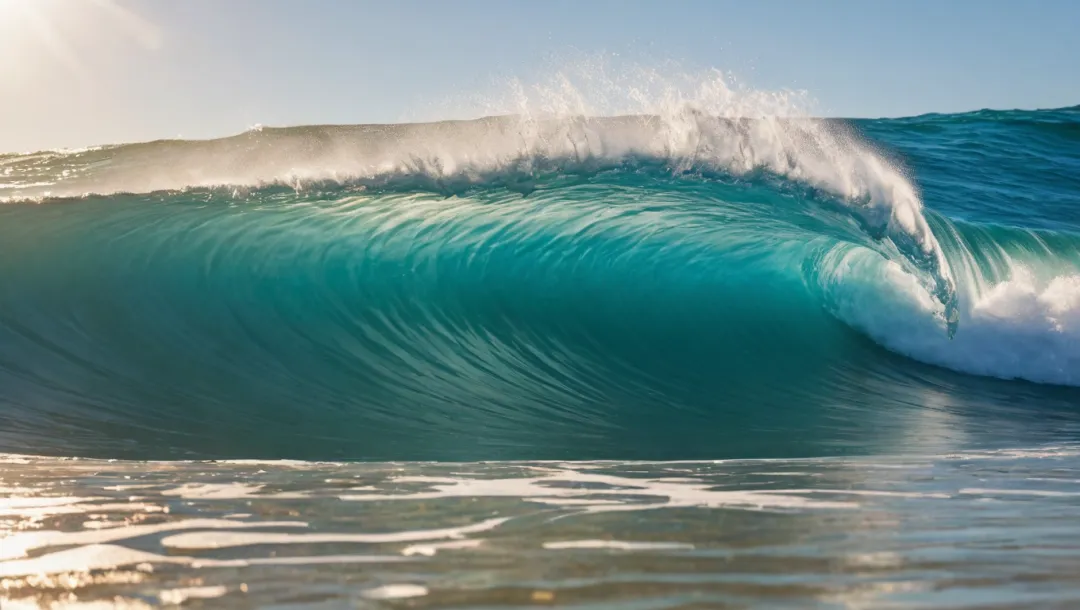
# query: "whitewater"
665,341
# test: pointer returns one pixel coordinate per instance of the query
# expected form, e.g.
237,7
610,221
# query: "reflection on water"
962,530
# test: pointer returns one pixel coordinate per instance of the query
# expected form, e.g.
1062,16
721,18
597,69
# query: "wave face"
712,278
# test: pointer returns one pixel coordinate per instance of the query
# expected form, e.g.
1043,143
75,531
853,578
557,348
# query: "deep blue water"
633,288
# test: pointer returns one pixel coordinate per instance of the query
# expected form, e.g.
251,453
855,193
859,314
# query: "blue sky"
103,71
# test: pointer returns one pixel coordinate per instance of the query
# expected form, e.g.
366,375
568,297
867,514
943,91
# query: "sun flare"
13,11
36,35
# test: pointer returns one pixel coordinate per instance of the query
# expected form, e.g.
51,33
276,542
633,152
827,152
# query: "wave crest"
689,125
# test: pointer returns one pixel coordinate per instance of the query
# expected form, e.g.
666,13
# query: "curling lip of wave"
514,151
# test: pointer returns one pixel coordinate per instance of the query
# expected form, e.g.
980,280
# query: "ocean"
708,355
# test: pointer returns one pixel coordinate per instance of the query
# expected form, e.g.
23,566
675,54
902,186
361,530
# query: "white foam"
858,492
609,493
84,559
116,603
1043,493
183,594
430,550
18,544
1014,453
228,491
618,545
397,591
1021,328
219,539
39,508
301,560
39,504
13,458
110,556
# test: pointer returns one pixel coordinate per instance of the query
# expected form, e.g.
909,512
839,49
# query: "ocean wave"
709,277
710,127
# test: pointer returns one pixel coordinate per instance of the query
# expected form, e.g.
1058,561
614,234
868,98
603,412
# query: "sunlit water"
972,530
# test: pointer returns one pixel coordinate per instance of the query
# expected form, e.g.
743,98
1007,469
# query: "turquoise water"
686,358
648,287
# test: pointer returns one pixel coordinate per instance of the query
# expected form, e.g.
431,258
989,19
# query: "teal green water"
880,320
577,289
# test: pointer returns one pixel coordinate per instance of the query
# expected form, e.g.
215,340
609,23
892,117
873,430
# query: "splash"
1022,327
583,119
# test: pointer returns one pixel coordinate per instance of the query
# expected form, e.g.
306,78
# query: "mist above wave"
579,120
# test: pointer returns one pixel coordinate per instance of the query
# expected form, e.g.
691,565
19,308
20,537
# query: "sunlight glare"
70,34
7,6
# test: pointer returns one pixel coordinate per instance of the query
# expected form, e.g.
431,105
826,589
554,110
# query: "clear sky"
81,72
